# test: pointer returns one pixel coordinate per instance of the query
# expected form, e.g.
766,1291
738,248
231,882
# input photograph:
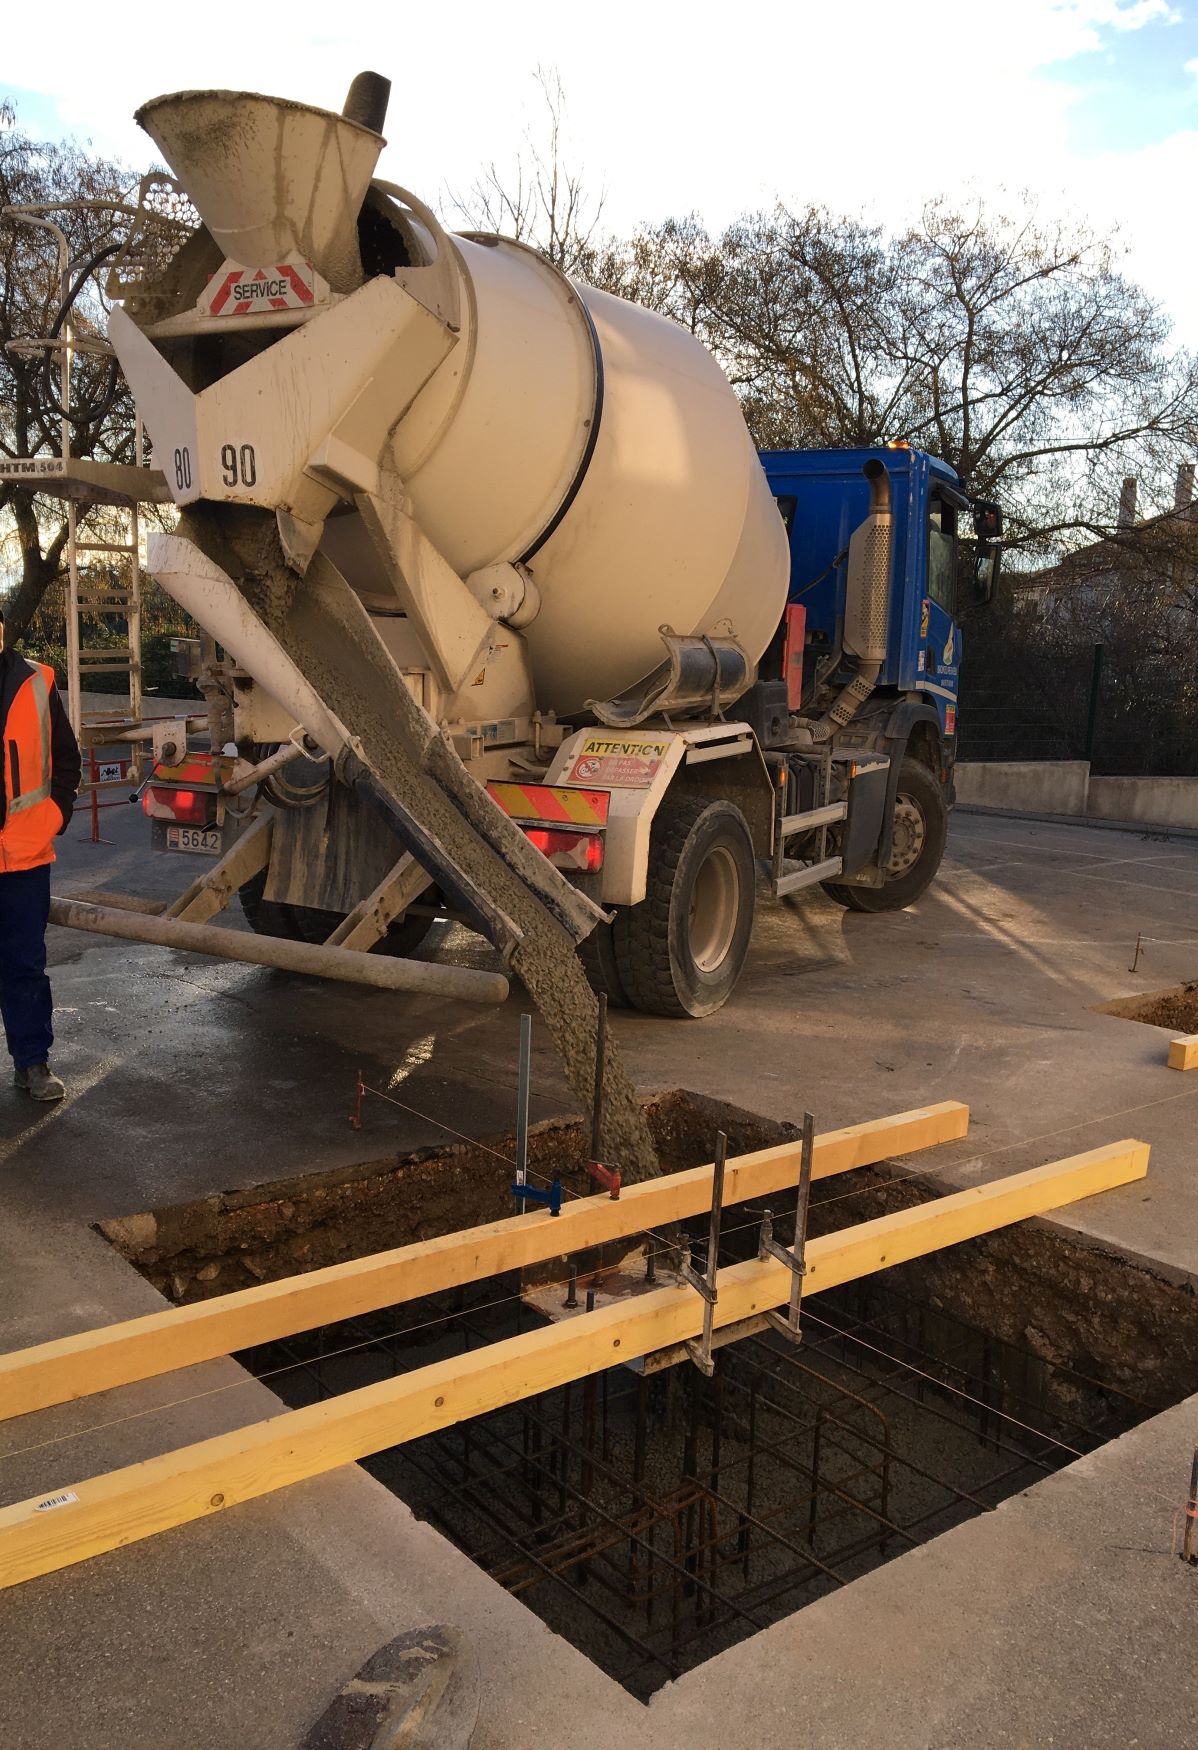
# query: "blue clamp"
551,1199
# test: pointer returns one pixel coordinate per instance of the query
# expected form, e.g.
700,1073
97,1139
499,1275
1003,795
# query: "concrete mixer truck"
671,671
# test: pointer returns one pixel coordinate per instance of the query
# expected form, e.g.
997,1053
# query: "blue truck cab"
829,715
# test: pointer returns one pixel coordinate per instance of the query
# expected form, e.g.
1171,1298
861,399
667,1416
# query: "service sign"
255,291
611,763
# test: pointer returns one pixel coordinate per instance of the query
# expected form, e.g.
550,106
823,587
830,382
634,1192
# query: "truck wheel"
680,951
266,917
598,955
920,830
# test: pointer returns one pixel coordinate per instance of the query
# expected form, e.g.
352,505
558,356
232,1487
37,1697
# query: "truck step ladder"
822,867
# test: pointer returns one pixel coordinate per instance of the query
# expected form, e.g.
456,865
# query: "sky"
1091,105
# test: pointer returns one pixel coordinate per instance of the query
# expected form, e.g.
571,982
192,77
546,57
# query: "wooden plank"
1183,1052
95,1361
211,892
107,1512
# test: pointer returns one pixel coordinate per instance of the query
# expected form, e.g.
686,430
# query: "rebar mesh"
655,1520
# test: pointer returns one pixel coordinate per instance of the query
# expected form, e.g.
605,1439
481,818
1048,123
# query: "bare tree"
540,199
33,529
1013,348
1037,368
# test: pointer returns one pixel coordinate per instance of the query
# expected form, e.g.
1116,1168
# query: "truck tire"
920,831
598,955
680,951
266,917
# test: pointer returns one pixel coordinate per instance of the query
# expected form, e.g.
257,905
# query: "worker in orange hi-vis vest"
41,776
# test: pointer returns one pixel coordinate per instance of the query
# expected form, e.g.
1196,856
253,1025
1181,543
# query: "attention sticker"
609,763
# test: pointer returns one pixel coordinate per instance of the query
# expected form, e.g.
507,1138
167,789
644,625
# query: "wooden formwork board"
107,1512
1183,1052
97,1360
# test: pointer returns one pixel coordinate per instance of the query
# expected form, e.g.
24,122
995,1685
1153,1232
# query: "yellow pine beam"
104,1513
1183,1052
94,1361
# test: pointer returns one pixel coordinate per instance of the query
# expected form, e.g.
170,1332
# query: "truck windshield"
942,555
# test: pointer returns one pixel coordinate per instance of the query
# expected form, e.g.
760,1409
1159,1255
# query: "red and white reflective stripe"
299,292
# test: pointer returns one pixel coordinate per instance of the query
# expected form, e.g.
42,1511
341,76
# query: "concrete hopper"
269,177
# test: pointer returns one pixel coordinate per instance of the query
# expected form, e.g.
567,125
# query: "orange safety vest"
32,817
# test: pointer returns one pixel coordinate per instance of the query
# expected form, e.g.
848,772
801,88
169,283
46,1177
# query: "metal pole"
1092,712
319,961
799,1248
522,1099
713,1242
93,774
74,671
1187,1543
597,1102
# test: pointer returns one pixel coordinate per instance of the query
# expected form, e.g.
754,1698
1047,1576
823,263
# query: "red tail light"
187,807
568,850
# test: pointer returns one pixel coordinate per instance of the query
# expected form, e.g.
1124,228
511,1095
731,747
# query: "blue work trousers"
25,999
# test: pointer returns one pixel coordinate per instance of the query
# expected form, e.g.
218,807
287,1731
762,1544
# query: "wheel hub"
714,907
909,834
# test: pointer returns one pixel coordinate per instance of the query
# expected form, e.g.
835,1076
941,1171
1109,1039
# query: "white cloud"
1141,12
848,106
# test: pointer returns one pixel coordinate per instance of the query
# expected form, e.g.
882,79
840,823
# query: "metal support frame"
794,1257
706,1284
211,892
373,916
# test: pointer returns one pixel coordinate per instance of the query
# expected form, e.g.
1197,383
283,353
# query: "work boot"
40,1082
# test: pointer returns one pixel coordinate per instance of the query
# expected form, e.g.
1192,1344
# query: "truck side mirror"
986,562
987,557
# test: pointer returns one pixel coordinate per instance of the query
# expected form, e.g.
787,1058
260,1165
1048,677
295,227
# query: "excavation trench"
1175,1007
655,1518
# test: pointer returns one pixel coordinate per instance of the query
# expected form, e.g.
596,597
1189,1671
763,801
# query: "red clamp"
608,1177
355,1117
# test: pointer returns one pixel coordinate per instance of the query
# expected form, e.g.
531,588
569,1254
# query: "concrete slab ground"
1059,1618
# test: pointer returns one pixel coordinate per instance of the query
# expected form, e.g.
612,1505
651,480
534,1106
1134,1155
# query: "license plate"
206,839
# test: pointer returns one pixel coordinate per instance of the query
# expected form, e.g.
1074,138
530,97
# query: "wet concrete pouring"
322,626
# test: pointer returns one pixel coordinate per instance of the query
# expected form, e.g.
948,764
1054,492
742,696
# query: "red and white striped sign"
243,291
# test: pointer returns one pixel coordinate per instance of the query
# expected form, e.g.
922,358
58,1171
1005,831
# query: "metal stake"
522,1099
597,1101
1188,1553
522,1191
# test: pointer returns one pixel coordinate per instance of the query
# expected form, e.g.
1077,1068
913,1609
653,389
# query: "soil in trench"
1177,1009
